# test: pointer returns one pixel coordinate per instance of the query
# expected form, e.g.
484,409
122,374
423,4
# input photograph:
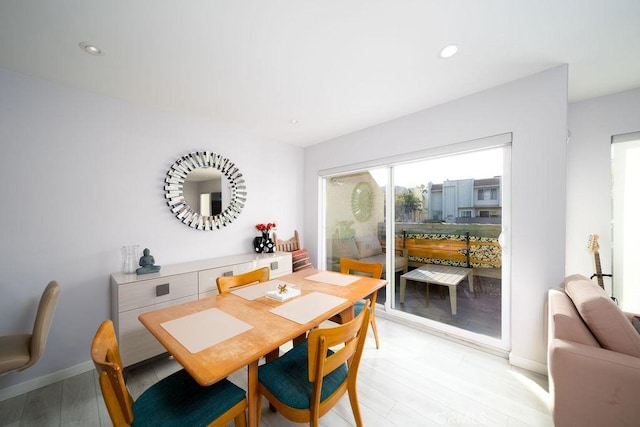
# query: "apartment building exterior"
464,201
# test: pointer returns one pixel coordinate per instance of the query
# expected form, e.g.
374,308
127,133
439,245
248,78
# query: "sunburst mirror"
205,190
362,201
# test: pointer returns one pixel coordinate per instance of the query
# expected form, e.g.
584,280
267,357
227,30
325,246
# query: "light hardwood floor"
414,379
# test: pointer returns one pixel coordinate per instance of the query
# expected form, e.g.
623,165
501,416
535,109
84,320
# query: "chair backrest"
290,245
106,357
352,335
41,326
225,283
348,265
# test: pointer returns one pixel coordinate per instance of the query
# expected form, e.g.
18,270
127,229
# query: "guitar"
593,248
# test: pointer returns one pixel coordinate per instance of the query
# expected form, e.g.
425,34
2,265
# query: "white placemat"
333,278
307,307
205,328
258,290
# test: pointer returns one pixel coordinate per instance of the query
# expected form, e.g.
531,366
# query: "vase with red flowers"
264,243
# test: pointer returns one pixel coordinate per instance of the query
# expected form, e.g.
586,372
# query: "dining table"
218,335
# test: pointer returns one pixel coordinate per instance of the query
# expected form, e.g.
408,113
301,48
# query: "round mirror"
362,201
205,190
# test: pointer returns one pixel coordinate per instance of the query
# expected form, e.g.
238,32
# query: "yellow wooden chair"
308,380
177,400
226,283
373,269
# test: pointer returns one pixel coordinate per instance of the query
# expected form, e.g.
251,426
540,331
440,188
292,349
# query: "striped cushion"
179,400
288,378
300,259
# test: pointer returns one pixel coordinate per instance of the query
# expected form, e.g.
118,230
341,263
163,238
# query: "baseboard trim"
45,380
529,365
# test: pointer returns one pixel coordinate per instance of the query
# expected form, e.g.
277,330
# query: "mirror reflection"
204,191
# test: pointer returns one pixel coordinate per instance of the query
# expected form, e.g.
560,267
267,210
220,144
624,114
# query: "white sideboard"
132,295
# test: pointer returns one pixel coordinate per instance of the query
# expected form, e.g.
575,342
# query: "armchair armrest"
403,252
592,386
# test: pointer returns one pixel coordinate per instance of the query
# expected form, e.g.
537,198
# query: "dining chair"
177,400
308,380
226,283
18,352
373,269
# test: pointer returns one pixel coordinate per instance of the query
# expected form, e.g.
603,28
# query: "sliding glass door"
442,249
448,218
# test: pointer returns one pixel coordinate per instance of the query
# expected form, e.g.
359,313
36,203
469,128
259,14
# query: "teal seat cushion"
179,400
287,378
357,308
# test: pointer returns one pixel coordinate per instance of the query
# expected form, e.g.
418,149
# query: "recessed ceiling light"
293,121
449,51
90,49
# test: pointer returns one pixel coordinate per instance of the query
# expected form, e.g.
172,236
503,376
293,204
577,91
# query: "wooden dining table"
254,324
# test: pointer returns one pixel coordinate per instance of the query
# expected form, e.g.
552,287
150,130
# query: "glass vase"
130,258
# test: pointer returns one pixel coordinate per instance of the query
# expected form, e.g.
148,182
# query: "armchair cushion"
608,323
368,246
344,248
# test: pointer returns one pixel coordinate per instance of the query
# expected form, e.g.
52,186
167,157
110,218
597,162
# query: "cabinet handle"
228,273
274,265
162,290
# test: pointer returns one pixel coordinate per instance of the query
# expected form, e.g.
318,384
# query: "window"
465,214
488,194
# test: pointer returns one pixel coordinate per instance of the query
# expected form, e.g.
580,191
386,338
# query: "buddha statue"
147,263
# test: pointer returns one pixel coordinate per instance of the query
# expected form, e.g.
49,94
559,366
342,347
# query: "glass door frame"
498,141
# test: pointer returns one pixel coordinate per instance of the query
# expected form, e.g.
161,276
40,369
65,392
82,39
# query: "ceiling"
334,66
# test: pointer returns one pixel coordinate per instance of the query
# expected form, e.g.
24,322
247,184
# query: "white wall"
592,124
535,110
82,175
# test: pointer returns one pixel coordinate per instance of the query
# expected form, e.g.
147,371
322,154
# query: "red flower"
266,227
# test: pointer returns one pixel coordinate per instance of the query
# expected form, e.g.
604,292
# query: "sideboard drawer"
155,291
279,264
207,286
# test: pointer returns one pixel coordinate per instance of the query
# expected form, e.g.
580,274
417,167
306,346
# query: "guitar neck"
596,257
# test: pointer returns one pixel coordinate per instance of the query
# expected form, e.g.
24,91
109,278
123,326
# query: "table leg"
403,288
347,315
252,393
426,289
471,281
454,300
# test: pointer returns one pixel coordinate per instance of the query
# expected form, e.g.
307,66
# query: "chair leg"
355,406
241,419
375,331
